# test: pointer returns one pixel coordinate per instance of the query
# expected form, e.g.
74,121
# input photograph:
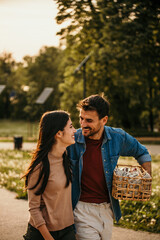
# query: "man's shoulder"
112,130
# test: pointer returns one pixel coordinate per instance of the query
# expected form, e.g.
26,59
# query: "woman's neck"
57,151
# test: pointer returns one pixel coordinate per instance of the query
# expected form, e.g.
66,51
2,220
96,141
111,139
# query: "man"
94,156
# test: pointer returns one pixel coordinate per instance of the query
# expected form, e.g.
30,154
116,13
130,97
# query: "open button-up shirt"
116,143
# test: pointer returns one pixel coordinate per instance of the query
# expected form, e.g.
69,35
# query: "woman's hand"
45,233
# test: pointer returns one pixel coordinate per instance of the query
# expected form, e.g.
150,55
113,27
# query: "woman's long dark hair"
50,124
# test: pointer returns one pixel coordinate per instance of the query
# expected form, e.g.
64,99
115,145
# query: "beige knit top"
53,207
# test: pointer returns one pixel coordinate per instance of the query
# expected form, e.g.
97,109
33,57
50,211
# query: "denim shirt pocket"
114,160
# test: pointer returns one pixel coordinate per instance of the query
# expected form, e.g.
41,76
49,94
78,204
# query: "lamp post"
84,80
83,64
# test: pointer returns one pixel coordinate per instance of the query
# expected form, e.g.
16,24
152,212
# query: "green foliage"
141,215
25,81
124,39
42,71
142,132
12,166
7,66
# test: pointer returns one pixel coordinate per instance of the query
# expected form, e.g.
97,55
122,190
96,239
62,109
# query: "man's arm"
132,147
147,167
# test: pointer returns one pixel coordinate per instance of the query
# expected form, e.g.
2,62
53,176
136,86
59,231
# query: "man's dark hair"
96,103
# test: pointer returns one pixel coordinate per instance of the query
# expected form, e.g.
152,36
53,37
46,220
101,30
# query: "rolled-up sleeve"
131,147
34,200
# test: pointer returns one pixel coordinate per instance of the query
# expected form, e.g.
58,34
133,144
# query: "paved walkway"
14,217
153,149
25,146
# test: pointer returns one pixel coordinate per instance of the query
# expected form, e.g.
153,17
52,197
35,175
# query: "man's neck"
97,136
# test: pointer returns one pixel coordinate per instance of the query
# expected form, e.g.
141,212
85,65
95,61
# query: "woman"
48,180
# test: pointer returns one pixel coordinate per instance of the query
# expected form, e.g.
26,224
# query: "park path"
153,148
14,217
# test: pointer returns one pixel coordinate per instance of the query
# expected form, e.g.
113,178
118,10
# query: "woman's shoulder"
34,175
36,170
38,167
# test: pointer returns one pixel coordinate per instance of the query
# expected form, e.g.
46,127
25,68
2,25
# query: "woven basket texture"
131,183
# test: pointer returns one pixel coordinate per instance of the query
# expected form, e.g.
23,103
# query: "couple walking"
69,179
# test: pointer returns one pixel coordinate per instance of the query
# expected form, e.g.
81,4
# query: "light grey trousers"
93,221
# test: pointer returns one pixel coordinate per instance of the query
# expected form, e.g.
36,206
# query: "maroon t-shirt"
93,184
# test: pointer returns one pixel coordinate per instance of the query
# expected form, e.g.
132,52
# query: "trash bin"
18,140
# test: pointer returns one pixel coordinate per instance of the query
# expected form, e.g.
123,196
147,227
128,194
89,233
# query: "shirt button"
104,160
106,171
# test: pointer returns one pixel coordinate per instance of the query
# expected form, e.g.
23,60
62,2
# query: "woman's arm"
45,233
35,200
34,205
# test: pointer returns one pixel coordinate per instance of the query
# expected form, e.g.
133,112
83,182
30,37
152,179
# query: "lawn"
136,215
143,215
9,129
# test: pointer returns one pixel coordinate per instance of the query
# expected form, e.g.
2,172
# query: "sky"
26,26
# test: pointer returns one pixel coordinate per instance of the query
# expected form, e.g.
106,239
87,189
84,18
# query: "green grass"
143,215
136,215
9,129
13,164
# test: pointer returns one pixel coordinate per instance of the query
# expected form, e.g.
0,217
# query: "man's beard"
90,133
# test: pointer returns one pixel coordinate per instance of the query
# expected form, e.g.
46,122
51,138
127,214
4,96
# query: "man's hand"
147,167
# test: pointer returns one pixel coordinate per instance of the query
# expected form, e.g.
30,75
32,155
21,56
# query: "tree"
125,40
135,43
7,65
26,80
43,71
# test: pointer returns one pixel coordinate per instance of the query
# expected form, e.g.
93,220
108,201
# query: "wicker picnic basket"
131,186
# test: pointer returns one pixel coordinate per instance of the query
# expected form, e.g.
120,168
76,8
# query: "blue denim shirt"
116,143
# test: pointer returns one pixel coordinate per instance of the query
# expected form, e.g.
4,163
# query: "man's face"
92,126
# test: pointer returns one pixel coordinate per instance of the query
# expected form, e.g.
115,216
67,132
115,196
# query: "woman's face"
68,133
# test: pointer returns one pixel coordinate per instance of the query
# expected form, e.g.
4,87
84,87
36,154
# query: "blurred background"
75,49
53,53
